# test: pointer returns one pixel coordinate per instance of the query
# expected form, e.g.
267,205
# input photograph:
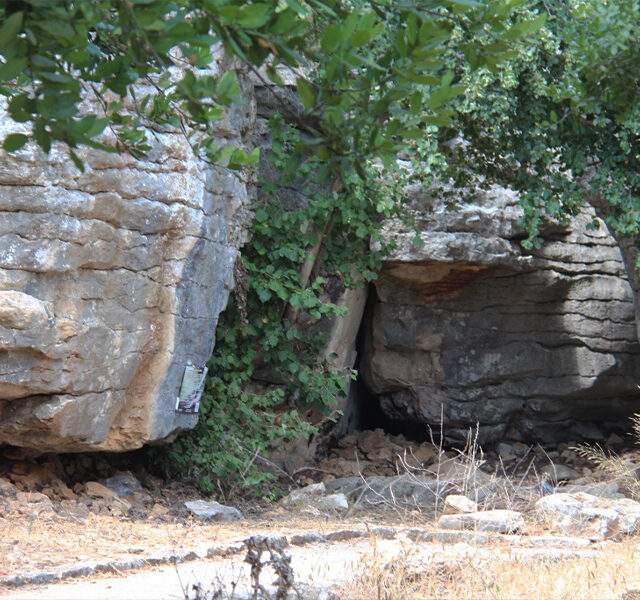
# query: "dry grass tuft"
616,466
609,572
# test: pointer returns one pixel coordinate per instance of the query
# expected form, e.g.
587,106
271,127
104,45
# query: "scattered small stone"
213,511
369,441
140,498
343,535
347,468
506,451
400,490
313,498
331,502
560,472
116,506
300,498
33,504
67,494
32,498
306,538
7,489
460,504
614,440
604,489
381,454
501,521
158,511
383,533
588,431
123,483
448,537
421,455
346,441
97,490
77,511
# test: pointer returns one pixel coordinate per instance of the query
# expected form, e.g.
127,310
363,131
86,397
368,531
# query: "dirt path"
392,562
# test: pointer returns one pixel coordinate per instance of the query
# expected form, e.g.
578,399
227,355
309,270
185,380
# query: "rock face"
501,521
529,344
111,280
583,514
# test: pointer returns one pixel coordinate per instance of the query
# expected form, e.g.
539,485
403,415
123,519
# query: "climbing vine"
269,366
379,91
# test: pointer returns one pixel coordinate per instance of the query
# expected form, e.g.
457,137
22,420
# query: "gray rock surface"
500,521
112,280
297,498
584,514
529,343
123,483
558,472
213,511
403,490
460,504
315,496
604,489
332,502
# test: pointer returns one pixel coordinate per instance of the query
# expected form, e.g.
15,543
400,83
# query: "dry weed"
616,466
515,488
611,572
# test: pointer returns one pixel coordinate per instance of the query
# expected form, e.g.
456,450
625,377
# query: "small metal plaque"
188,400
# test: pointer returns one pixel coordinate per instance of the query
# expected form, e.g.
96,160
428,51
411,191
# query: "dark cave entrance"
604,417
363,410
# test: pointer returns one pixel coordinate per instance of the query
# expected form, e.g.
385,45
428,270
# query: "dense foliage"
560,121
377,85
377,78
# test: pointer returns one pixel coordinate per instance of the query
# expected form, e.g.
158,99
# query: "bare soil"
53,516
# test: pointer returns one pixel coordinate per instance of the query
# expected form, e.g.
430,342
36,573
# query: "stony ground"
84,523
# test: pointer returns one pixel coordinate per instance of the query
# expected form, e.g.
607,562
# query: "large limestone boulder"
530,344
111,280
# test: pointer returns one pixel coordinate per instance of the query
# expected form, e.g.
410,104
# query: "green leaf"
228,85
524,27
12,68
297,7
412,28
306,93
332,38
10,28
253,16
415,103
60,29
14,141
76,160
464,3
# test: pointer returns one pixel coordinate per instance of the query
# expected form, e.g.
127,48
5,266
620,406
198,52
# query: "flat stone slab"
592,516
501,521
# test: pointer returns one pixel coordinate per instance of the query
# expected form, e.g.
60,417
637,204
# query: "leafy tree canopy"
372,69
560,121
